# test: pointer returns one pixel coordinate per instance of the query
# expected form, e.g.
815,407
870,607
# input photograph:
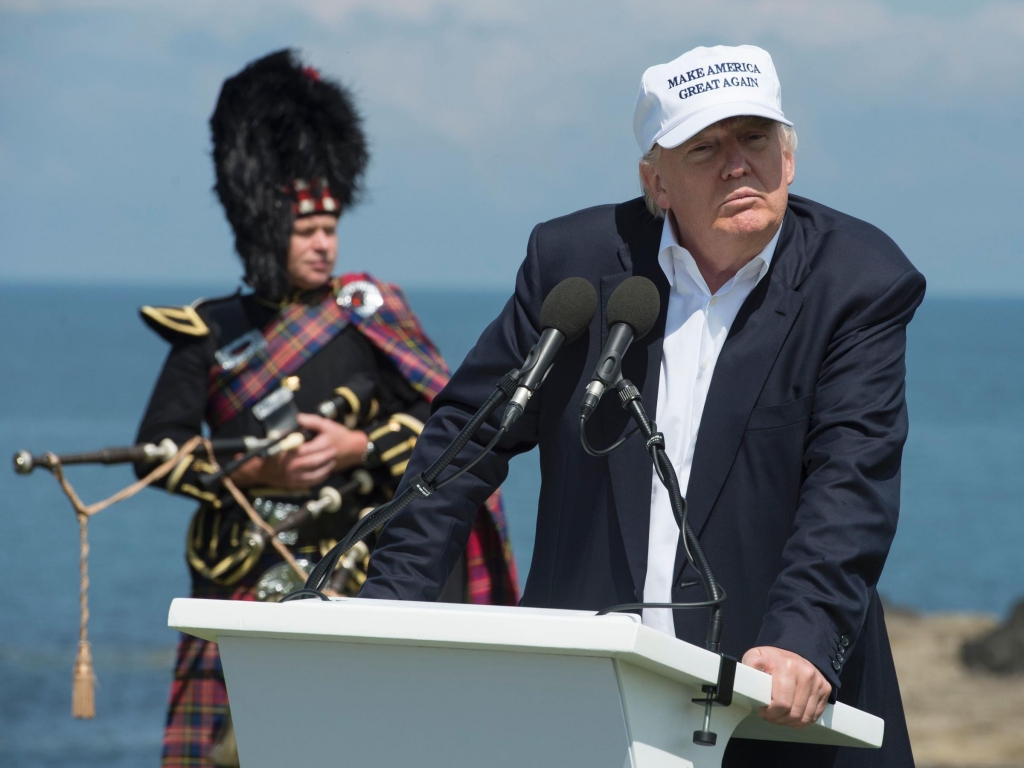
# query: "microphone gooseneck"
564,316
629,397
633,309
632,312
721,693
421,485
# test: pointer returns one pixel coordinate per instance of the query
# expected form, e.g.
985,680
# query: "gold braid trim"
353,406
238,563
179,471
179,319
203,467
378,433
407,421
398,450
209,498
262,524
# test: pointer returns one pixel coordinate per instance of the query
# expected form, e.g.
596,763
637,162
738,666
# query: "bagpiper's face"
312,251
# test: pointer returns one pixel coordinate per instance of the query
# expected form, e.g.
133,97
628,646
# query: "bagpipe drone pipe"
240,542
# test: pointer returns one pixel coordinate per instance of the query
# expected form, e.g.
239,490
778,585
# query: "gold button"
292,383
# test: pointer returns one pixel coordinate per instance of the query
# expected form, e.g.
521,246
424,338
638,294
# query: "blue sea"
77,368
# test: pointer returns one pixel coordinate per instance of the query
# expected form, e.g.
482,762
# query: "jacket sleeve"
176,411
849,501
419,547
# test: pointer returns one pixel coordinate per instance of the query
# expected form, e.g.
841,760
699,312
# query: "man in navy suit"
776,371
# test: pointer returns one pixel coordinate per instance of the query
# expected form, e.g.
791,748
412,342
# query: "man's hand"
348,444
799,691
333,447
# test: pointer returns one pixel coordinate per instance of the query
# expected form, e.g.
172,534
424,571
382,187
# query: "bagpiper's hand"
346,445
799,691
304,467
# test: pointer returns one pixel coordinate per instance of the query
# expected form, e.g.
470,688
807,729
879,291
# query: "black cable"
599,452
375,520
304,593
667,475
421,486
476,460
321,573
673,606
384,513
503,391
630,398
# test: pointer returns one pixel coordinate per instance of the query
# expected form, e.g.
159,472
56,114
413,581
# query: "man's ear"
652,181
645,177
789,166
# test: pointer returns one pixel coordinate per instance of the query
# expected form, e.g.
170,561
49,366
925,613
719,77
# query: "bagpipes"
352,404
147,453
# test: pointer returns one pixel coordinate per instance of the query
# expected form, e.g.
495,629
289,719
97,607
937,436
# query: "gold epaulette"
174,322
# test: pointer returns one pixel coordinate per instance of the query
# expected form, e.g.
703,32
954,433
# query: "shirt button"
713,300
704,365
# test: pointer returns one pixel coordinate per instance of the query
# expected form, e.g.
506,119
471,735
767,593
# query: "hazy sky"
486,117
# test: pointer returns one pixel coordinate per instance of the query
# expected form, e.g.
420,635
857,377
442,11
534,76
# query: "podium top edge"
621,637
503,628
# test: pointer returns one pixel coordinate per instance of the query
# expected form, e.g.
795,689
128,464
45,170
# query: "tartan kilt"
198,705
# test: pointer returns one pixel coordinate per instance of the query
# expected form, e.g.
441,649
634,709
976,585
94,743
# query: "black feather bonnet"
277,127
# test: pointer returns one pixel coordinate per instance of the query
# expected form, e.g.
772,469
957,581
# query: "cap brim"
699,121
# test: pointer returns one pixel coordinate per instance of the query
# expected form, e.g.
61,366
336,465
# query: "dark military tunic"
178,410
198,721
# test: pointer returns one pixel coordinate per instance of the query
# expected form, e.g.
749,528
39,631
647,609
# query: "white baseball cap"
680,99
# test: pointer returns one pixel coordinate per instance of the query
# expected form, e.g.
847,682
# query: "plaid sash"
299,331
397,332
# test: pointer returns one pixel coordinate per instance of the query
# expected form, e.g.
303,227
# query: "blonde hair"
787,134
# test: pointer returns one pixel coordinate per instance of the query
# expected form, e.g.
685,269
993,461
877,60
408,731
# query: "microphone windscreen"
569,307
636,303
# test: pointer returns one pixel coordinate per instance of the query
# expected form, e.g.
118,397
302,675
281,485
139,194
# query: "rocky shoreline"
956,716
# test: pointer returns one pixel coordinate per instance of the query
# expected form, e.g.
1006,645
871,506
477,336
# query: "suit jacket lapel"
762,325
630,466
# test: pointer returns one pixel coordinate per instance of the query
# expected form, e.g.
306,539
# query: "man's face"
727,186
312,251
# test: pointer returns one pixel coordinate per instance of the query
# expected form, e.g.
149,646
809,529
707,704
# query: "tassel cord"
84,678
83,688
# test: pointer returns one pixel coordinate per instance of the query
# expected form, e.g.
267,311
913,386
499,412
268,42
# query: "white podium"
383,684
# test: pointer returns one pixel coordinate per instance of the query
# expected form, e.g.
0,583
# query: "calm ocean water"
77,369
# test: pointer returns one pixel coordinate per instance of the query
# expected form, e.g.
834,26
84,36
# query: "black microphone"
564,316
633,310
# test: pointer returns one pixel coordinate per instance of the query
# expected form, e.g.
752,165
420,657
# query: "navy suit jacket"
795,484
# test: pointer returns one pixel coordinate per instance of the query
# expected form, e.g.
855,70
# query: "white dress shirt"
695,331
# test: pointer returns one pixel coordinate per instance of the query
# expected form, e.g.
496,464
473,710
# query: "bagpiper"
342,361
